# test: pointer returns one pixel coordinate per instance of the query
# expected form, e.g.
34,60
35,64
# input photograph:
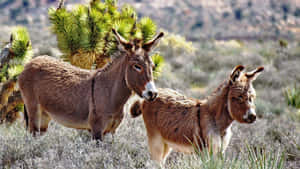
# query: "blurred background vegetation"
204,41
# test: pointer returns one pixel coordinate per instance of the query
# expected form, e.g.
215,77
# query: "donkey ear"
253,74
11,38
122,41
28,44
60,4
236,72
152,43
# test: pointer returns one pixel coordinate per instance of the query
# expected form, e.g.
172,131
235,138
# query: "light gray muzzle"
150,91
250,116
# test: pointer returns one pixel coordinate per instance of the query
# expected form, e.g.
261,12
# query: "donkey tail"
136,109
26,116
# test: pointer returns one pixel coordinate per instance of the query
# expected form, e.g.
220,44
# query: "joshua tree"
13,57
84,34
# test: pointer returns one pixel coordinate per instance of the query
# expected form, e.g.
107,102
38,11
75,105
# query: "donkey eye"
240,98
153,67
137,67
250,99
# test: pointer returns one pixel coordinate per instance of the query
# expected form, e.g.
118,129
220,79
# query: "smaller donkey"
82,99
175,121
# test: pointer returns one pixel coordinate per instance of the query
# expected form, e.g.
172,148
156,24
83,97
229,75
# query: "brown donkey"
175,121
83,99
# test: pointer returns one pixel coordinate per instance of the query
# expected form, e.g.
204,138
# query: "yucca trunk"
6,91
9,112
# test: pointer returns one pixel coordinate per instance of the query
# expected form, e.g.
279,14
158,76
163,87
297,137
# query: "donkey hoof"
98,136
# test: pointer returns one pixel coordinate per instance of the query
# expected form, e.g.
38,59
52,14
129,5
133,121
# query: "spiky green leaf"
159,62
148,28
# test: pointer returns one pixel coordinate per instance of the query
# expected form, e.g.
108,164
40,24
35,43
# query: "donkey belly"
64,108
184,148
69,115
70,120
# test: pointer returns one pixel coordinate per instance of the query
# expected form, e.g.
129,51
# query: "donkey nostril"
252,117
150,94
154,95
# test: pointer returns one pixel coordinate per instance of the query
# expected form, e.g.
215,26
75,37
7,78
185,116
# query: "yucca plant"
259,158
159,62
253,157
84,33
292,96
13,58
17,52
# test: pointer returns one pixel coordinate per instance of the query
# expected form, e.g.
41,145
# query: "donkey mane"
219,89
174,98
116,56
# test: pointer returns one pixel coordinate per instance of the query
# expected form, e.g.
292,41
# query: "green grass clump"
292,96
260,158
250,157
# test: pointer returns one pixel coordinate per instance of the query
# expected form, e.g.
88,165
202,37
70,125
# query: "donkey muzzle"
150,91
250,116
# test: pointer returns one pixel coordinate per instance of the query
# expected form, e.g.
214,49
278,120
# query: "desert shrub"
173,45
5,3
283,43
179,52
297,12
265,108
285,8
292,96
249,4
238,13
295,115
25,3
14,13
198,24
268,54
226,14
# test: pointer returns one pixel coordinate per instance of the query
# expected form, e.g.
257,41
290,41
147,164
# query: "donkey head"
138,73
241,94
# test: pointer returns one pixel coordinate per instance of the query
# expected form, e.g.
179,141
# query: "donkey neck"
112,80
218,108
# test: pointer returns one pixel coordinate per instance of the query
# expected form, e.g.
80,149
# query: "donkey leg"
33,117
32,110
226,140
117,121
156,147
44,121
98,126
214,143
167,151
